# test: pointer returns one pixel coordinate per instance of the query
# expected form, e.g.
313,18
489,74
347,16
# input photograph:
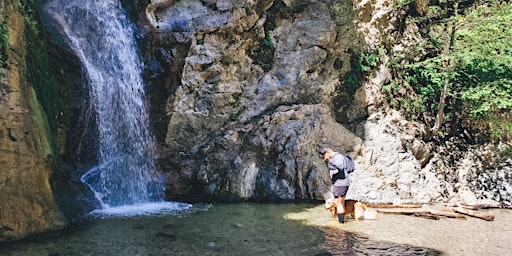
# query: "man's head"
324,150
326,153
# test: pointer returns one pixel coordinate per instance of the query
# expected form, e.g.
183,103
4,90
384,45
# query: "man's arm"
338,161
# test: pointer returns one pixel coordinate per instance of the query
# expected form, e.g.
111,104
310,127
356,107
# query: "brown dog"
354,208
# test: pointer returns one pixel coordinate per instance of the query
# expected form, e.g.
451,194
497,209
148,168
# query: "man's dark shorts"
339,191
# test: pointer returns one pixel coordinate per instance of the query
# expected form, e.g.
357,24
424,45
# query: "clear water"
233,229
271,229
101,35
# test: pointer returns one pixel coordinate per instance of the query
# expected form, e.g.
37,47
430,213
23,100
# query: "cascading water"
102,37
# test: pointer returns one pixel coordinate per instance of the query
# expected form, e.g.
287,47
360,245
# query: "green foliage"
263,54
30,16
485,55
488,98
500,128
267,41
365,61
484,52
237,97
236,104
4,41
228,59
236,116
40,69
352,81
481,79
402,3
361,64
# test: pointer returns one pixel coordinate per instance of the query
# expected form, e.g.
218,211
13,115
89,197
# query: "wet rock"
27,203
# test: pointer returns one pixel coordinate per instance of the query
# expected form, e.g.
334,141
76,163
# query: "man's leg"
340,206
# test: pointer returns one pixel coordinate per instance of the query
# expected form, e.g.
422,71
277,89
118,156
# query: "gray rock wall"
263,86
242,127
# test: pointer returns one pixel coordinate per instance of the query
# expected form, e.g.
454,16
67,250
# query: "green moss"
42,123
4,41
263,54
236,116
237,98
41,72
228,59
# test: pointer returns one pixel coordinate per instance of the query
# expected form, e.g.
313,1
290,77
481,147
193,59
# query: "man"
338,171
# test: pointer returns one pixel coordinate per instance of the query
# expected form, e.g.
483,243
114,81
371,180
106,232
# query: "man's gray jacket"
337,164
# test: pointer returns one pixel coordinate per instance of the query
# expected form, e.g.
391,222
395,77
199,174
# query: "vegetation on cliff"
37,58
4,40
460,81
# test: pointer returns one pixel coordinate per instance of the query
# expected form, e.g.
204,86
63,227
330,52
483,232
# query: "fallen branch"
390,206
446,214
427,216
435,211
475,214
402,212
432,213
486,206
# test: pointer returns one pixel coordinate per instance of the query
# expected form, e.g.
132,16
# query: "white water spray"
102,37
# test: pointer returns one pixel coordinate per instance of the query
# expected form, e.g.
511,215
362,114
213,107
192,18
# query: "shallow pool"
270,229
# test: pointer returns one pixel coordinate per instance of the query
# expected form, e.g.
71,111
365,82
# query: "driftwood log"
486,206
432,212
475,214
427,216
388,206
424,213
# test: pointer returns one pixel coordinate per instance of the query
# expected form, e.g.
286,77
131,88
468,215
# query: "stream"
270,229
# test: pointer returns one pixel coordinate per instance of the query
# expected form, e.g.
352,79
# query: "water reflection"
270,229
340,242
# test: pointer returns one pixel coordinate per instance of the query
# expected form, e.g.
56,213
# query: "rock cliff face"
255,88
253,103
27,204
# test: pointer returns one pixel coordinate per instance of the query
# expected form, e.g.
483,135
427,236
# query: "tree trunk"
448,66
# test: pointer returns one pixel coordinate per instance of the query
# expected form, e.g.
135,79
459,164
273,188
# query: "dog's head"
331,206
359,210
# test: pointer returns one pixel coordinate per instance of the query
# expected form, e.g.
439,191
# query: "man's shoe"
341,218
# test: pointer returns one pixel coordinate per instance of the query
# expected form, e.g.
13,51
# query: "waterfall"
100,34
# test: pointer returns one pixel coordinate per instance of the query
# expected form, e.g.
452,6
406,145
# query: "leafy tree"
465,75
484,52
